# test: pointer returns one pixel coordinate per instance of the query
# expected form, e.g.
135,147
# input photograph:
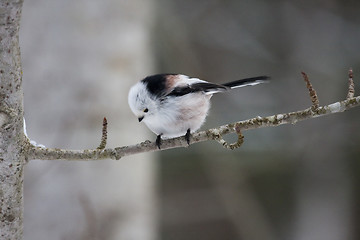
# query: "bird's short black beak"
141,118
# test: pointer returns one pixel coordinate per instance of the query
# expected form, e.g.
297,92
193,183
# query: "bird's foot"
187,136
158,141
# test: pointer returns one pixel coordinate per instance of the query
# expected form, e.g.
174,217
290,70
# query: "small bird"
173,105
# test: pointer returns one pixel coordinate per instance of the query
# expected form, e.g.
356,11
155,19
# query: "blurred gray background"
290,182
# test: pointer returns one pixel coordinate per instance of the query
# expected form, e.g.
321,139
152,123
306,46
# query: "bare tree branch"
211,134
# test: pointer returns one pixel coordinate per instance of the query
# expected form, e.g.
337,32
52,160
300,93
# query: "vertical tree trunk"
11,123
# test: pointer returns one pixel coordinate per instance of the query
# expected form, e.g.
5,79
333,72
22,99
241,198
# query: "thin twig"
312,92
104,135
351,91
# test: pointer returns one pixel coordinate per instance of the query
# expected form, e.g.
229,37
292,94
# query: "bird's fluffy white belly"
176,116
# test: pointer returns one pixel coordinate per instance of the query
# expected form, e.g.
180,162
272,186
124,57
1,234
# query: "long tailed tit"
173,105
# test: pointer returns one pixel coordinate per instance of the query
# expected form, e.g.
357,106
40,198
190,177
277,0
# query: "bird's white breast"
176,115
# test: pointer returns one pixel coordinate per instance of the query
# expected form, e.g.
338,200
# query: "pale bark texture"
11,123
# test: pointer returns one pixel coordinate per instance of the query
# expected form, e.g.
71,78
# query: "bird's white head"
141,103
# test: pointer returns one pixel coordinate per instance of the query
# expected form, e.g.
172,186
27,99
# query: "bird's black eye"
145,110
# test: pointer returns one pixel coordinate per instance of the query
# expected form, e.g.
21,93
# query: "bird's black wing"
197,87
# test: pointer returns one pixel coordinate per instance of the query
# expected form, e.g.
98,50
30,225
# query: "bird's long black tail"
246,82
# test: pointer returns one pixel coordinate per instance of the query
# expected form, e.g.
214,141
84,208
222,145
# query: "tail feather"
246,82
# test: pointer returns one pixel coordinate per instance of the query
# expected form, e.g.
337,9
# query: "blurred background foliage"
290,182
